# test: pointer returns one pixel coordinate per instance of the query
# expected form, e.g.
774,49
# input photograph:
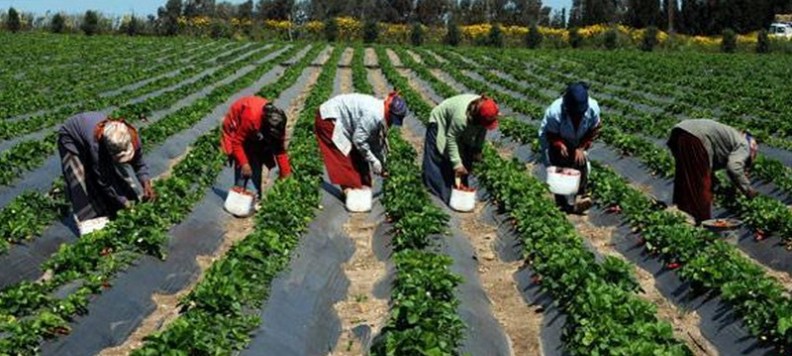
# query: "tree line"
693,17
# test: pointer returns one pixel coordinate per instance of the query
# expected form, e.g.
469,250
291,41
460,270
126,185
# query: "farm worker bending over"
94,151
701,147
254,134
455,139
352,132
568,130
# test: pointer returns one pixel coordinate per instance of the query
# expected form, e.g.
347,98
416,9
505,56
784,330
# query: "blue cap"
398,110
576,99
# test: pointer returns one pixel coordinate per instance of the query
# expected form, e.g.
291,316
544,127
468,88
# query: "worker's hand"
127,204
478,157
376,167
460,171
562,149
148,191
751,193
580,157
385,174
247,171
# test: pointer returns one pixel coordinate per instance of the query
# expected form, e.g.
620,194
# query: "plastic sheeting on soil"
483,333
299,317
31,255
113,315
719,324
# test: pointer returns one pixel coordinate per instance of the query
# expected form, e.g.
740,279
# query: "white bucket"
239,202
563,181
462,200
88,226
359,200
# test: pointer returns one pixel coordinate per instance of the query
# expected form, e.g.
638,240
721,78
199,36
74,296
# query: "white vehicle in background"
780,29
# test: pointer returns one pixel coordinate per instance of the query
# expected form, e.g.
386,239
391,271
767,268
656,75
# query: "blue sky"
141,7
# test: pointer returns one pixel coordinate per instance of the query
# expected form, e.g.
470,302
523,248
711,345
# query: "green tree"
58,23
276,9
495,37
762,42
431,12
533,39
610,38
133,27
453,35
370,31
575,39
729,42
649,39
168,17
14,24
417,34
331,29
90,23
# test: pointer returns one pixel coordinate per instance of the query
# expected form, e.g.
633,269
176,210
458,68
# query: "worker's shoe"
583,205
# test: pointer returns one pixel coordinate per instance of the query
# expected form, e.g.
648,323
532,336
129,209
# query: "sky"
140,7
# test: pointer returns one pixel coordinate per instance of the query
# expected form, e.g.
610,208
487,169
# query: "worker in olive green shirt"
454,140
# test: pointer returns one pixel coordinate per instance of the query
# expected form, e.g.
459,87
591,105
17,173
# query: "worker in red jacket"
254,134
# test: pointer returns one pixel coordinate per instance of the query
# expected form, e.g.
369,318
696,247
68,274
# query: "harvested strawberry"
760,235
536,279
673,265
614,209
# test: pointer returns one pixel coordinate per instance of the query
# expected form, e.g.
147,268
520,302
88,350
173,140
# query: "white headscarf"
118,139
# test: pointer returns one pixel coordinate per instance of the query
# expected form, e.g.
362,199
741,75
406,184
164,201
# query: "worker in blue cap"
568,130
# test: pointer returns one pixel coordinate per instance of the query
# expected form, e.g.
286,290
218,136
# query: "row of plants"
764,214
220,313
10,129
597,297
700,256
37,86
105,253
15,230
26,155
30,312
423,317
757,103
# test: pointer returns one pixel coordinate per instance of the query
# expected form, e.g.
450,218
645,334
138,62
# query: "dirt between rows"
685,323
521,322
363,270
167,309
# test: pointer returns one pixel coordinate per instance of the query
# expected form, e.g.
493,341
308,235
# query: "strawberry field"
412,277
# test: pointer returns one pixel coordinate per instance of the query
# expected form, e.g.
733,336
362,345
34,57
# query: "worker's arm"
735,168
282,158
453,135
367,126
550,129
589,137
243,131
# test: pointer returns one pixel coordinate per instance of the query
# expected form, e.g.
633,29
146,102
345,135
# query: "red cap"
488,113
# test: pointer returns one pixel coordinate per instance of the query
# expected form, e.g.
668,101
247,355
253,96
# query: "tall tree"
643,13
275,9
245,10
576,14
14,24
169,17
558,19
431,12
194,8
90,23
58,23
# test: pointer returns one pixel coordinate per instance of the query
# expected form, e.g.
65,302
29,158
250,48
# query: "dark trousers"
438,172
